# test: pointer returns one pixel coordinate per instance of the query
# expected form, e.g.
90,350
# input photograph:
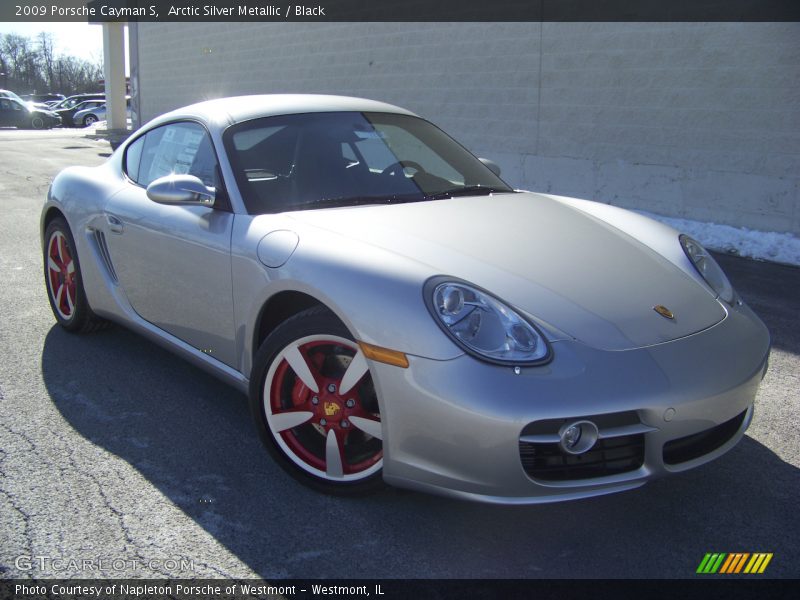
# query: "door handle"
114,224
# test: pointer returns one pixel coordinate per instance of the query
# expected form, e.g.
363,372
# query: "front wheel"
37,122
315,405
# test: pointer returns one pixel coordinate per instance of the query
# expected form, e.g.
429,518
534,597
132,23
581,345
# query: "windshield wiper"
466,190
353,201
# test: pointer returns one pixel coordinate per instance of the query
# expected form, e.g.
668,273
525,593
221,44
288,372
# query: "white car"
90,116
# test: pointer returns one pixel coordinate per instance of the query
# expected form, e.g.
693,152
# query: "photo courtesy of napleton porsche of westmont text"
136,590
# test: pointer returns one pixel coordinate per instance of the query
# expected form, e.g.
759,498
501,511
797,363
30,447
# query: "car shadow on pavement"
192,438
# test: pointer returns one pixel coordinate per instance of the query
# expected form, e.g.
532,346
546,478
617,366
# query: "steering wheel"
401,165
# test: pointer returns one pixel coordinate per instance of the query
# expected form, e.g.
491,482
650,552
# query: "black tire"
330,425
37,122
63,281
89,120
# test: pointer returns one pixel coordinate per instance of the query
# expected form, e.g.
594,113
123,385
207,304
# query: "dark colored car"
67,114
16,114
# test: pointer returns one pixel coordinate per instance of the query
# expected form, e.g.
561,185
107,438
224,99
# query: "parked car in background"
15,113
77,99
90,116
10,94
31,104
43,98
67,114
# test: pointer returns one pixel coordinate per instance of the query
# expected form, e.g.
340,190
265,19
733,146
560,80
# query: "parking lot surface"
112,448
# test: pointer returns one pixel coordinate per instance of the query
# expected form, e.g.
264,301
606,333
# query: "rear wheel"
89,120
315,405
62,275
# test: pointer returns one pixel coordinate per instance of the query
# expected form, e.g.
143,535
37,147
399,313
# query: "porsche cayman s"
396,312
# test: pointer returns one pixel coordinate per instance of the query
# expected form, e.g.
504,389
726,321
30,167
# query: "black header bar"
399,10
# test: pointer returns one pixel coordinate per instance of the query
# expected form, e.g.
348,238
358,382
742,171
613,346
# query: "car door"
173,262
5,113
12,113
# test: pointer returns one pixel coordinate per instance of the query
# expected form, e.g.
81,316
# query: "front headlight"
484,326
708,268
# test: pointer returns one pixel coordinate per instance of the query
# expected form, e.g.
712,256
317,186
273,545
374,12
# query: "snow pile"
763,245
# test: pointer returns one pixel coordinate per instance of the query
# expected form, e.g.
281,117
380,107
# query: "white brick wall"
694,120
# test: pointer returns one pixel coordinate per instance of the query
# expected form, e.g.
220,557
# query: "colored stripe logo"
733,563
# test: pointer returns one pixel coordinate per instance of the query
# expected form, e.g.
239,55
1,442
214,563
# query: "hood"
575,275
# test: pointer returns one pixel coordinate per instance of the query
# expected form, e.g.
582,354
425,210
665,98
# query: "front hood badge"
664,311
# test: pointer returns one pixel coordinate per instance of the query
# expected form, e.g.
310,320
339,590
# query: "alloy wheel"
61,275
322,410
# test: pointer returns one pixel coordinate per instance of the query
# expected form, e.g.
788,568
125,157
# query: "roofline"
235,109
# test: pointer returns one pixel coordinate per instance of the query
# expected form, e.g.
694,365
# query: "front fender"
375,293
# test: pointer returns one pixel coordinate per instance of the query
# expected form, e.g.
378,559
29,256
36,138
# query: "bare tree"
31,66
46,55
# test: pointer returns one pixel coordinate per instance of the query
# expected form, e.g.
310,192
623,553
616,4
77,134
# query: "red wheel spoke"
368,426
63,251
287,420
355,371
334,453
54,279
70,297
300,366
60,297
60,248
53,265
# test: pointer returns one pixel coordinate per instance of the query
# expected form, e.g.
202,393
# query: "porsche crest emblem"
663,311
331,408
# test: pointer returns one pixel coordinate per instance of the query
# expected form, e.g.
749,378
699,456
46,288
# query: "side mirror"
493,166
181,190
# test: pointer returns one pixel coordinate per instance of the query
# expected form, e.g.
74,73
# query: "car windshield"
317,160
71,102
10,94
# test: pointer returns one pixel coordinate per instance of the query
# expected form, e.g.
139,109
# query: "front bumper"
464,428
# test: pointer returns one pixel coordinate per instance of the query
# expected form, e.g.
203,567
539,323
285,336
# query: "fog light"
572,436
578,437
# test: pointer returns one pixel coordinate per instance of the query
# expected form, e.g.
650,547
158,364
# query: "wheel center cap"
331,408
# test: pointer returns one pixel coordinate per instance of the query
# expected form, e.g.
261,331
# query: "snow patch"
762,245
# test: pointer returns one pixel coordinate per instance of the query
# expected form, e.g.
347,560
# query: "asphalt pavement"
111,448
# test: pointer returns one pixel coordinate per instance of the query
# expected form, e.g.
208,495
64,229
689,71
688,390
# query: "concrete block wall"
693,120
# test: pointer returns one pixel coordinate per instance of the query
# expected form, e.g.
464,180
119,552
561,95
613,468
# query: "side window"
176,148
9,105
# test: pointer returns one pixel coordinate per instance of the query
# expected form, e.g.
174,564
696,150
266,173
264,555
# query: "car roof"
226,111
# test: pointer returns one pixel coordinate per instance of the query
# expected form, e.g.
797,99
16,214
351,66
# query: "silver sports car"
398,313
